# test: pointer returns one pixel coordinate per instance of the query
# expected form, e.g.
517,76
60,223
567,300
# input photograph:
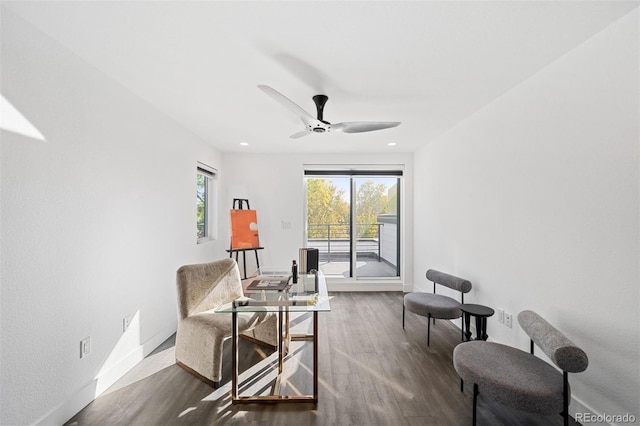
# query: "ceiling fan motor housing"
320,100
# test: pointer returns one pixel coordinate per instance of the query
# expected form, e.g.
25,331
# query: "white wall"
388,239
95,221
535,199
274,185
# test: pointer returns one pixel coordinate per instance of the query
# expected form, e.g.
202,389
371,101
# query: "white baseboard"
98,385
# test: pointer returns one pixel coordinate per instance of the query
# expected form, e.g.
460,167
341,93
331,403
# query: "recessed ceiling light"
392,144
244,143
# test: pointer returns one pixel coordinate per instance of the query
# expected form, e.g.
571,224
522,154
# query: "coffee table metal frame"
308,295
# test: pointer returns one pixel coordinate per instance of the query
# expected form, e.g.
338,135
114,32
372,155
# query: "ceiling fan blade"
288,104
363,126
300,134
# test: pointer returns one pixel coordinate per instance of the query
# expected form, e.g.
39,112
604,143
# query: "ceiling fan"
319,125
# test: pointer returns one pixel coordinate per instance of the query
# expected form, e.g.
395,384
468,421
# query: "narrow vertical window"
204,202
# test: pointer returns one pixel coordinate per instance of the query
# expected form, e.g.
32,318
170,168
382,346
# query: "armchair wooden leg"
475,402
197,375
403,309
565,397
428,329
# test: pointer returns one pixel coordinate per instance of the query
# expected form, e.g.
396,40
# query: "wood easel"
231,251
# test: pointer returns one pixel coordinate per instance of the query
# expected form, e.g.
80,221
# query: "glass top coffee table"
310,295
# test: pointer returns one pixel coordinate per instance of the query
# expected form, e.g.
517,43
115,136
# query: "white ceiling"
428,64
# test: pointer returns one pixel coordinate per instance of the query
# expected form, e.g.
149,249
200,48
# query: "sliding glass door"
353,220
376,236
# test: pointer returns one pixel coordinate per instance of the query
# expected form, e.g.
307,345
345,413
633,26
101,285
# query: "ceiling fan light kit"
318,124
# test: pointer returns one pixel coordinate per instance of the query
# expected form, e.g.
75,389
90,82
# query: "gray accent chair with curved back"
201,332
432,305
517,378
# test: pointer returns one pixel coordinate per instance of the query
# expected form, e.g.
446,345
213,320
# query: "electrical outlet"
508,319
501,315
126,322
85,347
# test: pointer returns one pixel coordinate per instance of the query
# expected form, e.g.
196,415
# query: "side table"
481,313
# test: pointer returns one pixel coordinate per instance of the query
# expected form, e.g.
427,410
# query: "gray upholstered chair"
517,378
432,305
201,331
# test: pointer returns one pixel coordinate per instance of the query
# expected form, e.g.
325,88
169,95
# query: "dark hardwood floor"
372,372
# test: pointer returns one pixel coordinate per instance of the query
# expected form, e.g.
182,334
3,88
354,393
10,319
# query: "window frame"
210,175
353,172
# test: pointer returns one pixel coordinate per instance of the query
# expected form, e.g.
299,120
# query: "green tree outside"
392,203
201,199
326,204
371,200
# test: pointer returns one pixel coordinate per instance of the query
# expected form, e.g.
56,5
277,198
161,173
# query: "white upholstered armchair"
201,332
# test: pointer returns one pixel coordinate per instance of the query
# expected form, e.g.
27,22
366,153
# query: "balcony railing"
333,239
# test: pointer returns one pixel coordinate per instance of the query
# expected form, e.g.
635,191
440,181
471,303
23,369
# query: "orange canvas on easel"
244,229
